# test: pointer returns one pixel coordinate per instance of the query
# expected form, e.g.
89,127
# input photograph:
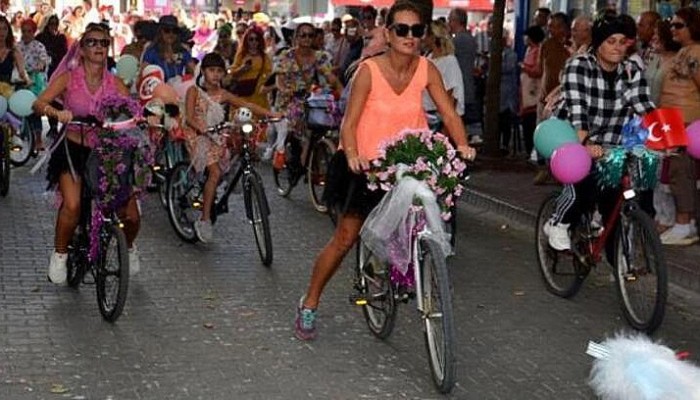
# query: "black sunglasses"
169,29
401,30
306,35
678,25
92,42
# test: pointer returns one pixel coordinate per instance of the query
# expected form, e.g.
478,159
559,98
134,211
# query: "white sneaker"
476,139
134,261
679,235
204,231
558,235
57,268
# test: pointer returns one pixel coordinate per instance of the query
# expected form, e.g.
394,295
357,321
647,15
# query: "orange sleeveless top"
386,113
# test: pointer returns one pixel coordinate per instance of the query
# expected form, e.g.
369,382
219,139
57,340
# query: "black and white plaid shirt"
591,103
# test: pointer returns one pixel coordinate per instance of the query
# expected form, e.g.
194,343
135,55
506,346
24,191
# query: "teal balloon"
127,68
21,103
3,106
552,134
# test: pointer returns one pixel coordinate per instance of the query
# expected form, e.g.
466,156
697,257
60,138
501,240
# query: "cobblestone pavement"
210,322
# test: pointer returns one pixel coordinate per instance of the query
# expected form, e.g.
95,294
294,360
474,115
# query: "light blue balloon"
3,106
21,102
551,134
127,68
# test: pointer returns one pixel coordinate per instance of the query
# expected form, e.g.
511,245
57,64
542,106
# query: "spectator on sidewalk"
374,39
646,28
681,89
440,50
466,53
530,86
581,35
553,56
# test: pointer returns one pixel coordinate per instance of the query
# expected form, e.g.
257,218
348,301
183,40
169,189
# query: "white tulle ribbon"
387,230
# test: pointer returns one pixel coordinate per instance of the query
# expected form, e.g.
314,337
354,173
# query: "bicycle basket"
93,173
323,111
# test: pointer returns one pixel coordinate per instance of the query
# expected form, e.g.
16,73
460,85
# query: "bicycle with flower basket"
404,246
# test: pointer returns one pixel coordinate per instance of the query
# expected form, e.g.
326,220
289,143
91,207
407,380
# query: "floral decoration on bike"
432,167
428,157
118,163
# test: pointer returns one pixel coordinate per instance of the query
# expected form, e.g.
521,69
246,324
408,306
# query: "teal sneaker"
305,324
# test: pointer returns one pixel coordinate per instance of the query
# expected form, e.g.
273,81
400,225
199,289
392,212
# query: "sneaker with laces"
204,231
267,154
305,323
57,268
476,139
558,235
679,235
134,261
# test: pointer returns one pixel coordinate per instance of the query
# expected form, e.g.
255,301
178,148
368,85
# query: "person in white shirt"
440,50
91,13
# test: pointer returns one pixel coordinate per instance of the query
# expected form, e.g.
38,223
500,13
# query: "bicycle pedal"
358,299
404,295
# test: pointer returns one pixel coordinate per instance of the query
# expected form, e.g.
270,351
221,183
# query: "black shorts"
346,191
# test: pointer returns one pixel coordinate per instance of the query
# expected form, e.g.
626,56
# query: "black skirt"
58,163
346,191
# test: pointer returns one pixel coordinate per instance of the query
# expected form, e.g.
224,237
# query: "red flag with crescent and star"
666,129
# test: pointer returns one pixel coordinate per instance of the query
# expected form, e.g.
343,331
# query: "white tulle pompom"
632,367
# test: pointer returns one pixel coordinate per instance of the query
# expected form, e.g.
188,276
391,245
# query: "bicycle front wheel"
77,263
112,272
437,315
640,271
22,145
317,172
257,211
376,292
560,270
182,193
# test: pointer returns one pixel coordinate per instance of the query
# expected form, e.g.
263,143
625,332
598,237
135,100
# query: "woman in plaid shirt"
600,90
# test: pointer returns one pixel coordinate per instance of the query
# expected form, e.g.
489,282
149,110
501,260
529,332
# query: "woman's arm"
42,104
19,64
121,87
191,117
445,107
361,85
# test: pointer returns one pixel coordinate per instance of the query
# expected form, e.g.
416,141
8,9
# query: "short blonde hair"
442,36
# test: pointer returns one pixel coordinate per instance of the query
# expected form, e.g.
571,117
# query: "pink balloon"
570,163
693,132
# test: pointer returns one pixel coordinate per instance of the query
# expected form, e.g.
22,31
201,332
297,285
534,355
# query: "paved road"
210,322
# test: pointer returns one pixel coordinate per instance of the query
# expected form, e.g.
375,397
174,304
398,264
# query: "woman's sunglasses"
169,30
92,42
678,25
401,30
306,35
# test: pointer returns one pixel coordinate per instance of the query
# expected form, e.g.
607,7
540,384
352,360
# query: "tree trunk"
493,84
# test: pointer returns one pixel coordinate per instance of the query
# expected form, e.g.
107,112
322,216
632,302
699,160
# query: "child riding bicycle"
204,108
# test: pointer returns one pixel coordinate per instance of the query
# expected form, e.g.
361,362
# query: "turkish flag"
666,129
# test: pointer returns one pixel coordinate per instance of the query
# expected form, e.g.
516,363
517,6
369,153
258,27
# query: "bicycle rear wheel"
22,144
182,201
258,212
641,273
112,272
376,292
317,171
437,315
560,271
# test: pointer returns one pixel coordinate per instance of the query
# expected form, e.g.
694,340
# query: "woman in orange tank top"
385,99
